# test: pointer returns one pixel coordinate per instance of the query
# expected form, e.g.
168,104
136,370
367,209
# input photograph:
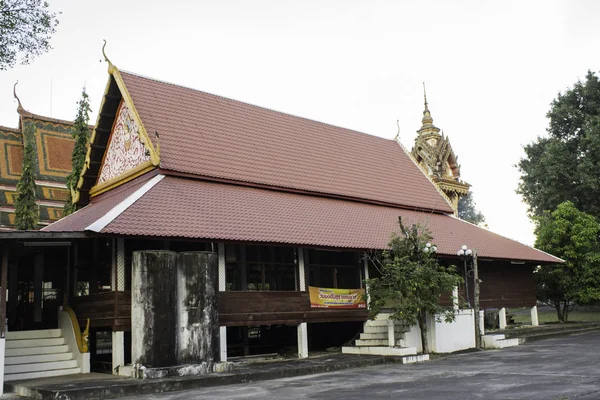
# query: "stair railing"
81,338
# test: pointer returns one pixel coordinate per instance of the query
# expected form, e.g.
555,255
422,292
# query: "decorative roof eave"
154,161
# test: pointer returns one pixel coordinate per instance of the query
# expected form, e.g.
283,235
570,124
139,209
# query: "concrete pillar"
153,316
481,323
391,333
455,298
534,316
118,351
302,340
222,288
502,318
301,270
366,267
197,313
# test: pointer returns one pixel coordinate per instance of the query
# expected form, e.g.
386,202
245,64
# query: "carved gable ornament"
126,151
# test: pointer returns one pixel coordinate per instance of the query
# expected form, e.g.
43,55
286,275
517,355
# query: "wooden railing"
271,308
105,310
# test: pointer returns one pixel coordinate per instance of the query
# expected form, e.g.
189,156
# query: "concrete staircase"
385,337
498,341
37,354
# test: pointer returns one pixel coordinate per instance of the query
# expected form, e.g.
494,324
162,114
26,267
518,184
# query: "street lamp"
430,248
464,252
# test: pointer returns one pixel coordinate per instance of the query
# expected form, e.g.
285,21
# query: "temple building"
210,228
433,153
53,147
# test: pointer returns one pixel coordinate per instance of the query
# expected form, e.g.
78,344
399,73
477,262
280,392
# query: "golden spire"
426,113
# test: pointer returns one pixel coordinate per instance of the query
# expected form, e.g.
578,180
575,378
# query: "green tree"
468,211
26,209
81,134
573,236
565,165
411,281
25,30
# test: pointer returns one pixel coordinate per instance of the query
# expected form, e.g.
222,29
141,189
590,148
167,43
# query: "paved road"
562,368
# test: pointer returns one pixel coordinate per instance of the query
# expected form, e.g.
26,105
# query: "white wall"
445,337
2,347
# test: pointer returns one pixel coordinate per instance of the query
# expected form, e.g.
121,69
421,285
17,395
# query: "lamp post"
465,253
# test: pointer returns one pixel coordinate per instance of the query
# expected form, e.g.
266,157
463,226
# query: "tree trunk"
422,318
558,312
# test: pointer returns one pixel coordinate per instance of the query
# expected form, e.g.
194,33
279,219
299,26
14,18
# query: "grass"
548,316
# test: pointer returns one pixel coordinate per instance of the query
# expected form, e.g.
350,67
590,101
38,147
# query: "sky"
491,68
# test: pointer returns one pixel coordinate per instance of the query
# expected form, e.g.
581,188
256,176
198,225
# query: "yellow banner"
336,298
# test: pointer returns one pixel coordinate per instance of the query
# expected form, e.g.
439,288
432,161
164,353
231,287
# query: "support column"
197,314
38,276
118,285
391,333
302,328
222,288
534,316
502,318
366,267
153,317
13,292
3,282
481,324
455,298
302,340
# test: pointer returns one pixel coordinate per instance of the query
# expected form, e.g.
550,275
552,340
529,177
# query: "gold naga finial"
19,107
110,64
397,137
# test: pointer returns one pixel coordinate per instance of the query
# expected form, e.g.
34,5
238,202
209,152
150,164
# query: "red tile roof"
188,208
207,135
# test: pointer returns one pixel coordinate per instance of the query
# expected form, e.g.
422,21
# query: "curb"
112,389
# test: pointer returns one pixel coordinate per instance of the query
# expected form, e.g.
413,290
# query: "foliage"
81,134
26,209
411,281
25,30
467,210
573,236
566,164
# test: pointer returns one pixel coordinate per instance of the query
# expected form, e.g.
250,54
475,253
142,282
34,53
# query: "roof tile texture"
208,135
187,208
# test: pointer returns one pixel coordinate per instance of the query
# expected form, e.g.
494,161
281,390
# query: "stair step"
380,335
39,334
39,366
41,374
38,358
16,344
498,342
415,359
377,342
30,351
384,328
380,351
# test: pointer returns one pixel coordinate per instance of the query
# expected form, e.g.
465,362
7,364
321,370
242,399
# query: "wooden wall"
506,285
270,308
111,310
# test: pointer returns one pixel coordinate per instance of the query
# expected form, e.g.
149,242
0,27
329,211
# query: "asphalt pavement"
563,368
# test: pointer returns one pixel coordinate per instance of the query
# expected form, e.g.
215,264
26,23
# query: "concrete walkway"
102,386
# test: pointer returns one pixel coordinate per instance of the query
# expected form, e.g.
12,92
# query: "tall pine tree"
26,209
81,134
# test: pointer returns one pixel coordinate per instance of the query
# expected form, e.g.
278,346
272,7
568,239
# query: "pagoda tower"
433,153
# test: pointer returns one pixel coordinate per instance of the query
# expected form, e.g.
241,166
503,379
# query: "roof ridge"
254,105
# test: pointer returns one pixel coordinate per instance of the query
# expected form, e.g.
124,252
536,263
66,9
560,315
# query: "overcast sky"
491,68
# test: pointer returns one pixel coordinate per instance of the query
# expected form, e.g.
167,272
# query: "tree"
468,211
81,134
573,236
411,281
26,209
25,30
566,164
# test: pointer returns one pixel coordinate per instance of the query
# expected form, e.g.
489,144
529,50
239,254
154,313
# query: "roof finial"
20,107
110,64
397,133
427,120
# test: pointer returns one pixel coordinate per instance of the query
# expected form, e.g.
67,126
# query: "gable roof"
220,211
213,137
